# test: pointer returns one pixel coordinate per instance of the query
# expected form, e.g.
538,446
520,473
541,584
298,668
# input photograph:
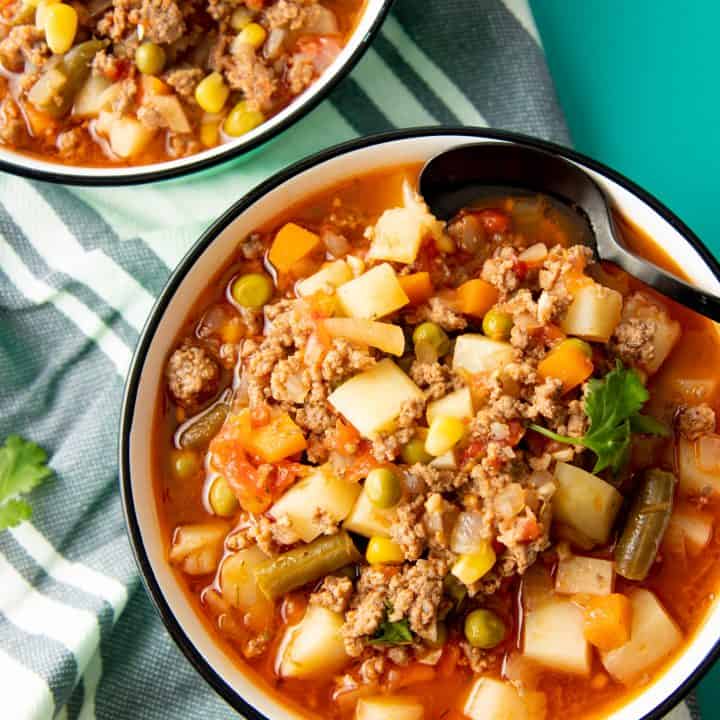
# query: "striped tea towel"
79,270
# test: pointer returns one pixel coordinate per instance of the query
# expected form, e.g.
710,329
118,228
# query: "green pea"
150,59
252,290
383,488
434,335
497,324
185,464
414,452
222,498
484,629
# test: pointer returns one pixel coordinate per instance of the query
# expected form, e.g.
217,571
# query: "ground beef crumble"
694,421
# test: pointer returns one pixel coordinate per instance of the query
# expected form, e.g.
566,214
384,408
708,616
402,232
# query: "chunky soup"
427,470
130,82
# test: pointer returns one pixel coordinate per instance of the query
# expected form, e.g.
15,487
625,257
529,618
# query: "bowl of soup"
379,465
110,93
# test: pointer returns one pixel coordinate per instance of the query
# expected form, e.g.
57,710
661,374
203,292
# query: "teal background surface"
639,83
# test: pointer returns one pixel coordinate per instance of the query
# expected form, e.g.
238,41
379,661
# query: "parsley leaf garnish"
393,633
22,467
613,406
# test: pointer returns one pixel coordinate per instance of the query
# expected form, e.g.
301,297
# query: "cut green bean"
305,564
203,428
645,526
55,90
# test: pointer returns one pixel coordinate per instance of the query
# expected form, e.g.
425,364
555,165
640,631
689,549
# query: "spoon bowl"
456,177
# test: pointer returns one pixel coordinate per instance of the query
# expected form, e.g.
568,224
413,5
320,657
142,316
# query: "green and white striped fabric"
79,269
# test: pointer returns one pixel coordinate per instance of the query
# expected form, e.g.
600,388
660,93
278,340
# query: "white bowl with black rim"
205,260
33,167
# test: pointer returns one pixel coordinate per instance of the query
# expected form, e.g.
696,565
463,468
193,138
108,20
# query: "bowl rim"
87,176
204,668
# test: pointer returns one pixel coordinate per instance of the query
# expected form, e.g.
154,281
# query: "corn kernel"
443,435
212,93
470,568
252,34
240,120
61,23
41,11
381,551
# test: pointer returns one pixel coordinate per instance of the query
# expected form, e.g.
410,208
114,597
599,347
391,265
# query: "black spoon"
457,177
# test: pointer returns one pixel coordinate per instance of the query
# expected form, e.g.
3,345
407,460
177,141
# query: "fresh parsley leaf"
646,425
22,468
612,405
393,633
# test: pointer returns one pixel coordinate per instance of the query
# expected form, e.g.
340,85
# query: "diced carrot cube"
567,362
476,297
292,243
276,440
417,287
608,619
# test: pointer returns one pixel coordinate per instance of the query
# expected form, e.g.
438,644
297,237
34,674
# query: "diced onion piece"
534,255
469,534
171,110
91,98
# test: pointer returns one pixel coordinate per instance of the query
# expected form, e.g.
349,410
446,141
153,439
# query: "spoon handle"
698,300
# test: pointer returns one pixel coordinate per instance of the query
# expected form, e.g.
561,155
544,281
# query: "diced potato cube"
372,400
91,99
591,576
653,636
554,637
128,137
585,502
369,520
398,233
492,699
389,707
374,294
479,354
319,496
197,549
666,330
329,276
457,404
314,647
238,587
385,336
594,313
693,479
